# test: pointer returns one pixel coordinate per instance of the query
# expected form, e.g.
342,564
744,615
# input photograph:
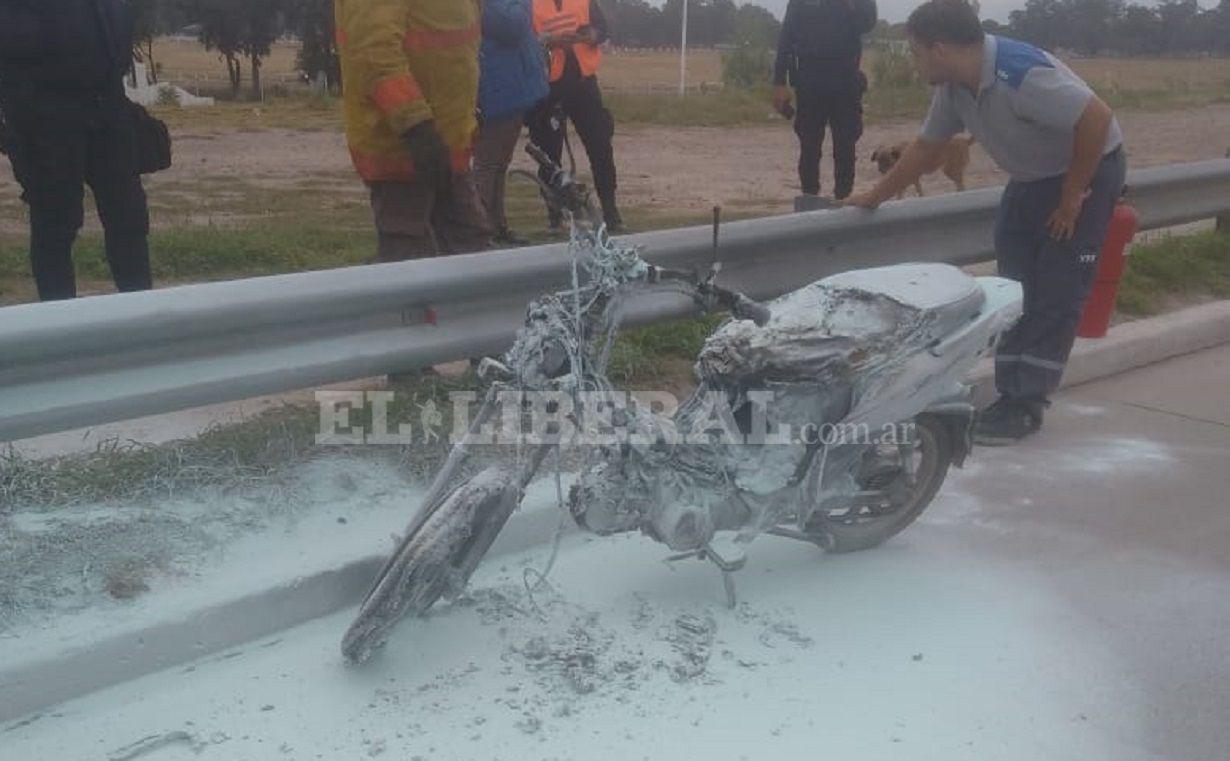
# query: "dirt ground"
668,170
685,169
694,168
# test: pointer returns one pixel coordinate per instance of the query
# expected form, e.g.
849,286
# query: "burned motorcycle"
830,415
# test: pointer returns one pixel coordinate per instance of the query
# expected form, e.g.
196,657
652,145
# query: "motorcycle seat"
825,330
947,297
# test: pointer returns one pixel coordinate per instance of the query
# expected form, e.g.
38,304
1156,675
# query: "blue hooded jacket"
513,66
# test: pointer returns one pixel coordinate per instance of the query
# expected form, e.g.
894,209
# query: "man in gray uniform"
1062,147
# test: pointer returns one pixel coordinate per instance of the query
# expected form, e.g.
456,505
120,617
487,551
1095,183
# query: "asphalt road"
1062,599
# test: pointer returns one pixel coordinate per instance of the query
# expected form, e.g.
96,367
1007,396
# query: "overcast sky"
897,10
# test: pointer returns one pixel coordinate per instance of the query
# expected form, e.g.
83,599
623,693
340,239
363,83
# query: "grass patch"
276,242
899,100
325,203
260,450
723,108
214,253
1175,95
252,452
1181,267
885,104
726,107
639,355
230,455
734,106
298,113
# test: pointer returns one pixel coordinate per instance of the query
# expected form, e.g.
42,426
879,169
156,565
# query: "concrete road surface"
1068,598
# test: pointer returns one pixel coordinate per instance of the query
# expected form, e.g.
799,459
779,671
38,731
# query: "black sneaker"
1008,421
611,216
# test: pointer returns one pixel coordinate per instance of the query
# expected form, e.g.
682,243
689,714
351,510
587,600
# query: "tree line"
637,24
242,32
1092,27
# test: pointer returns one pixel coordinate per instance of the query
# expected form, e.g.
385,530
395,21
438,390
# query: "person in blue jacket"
513,77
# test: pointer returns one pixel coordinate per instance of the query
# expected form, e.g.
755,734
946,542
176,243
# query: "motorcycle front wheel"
907,482
435,559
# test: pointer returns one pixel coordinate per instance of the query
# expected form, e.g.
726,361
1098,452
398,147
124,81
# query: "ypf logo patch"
1087,257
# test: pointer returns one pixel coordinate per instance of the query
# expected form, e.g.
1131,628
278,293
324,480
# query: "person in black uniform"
573,31
62,64
819,52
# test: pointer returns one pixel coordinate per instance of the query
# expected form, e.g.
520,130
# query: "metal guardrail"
73,364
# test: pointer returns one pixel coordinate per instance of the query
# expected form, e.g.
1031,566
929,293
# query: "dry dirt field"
635,68
1153,73
629,69
187,63
754,167
666,170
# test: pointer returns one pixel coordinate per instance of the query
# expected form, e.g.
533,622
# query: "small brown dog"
953,161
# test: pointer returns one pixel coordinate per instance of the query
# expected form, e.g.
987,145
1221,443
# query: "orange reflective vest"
568,17
404,62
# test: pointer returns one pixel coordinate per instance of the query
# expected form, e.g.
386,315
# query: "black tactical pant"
580,101
840,112
1056,276
58,143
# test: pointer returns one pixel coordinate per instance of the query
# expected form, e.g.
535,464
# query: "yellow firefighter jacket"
403,62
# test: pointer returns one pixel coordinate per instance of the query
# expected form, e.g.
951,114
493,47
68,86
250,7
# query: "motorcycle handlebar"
540,156
741,306
566,194
752,310
561,189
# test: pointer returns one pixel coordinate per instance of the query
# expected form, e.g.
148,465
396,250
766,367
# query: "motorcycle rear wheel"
435,559
863,529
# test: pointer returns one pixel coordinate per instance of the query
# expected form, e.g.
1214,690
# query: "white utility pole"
683,51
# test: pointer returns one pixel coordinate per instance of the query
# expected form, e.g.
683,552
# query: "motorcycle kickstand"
727,568
728,583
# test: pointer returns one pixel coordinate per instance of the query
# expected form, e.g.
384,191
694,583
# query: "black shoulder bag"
152,138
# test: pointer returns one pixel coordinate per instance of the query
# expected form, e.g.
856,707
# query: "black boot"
610,214
1008,421
128,255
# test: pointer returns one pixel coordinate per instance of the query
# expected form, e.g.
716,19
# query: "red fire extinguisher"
1101,302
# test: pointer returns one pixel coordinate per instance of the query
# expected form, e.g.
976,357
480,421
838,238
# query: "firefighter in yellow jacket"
410,79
